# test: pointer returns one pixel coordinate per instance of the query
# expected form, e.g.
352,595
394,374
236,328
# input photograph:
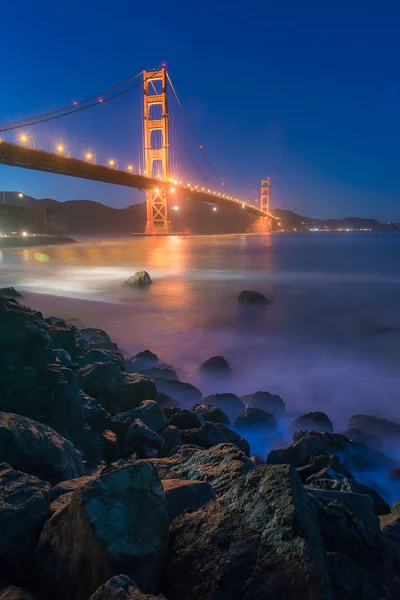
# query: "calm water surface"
330,341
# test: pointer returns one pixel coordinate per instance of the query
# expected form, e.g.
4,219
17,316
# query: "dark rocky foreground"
112,489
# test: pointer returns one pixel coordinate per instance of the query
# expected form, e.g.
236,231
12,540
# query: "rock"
255,418
325,473
116,391
148,411
183,418
216,365
381,428
396,507
313,421
307,446
24,507
160,372
179,390
9,292
116,523
259,540
211,434
164,466
183,495
323,462
271,403
98,338
381,507
12,592
142,360
37,449
96,416
109,446
208,412
140,278
166,401
390,537
65,338
121,587
248,297
356,435
172,438
220,466
141,439
229,403
97,355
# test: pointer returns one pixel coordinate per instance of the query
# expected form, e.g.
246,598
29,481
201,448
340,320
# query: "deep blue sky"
306,92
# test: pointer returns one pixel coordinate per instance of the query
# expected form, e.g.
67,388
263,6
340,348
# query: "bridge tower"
264,195
156,149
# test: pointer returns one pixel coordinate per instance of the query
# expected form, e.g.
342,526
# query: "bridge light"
156,190
23,138
201,147
60,148
242,204
202,189
130,168
222,183
89,156
100,100
24,234
175,208
171,189
175,182
20,195
111,162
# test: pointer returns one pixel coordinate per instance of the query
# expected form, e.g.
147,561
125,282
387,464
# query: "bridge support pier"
157,212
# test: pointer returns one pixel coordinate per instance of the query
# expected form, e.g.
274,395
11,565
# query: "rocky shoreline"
118,481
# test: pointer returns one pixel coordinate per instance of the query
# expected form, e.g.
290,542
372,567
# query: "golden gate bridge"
155,149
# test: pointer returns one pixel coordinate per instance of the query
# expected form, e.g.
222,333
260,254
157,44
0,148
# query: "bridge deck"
38,160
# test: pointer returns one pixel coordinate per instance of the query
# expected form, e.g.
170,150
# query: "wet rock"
97,355
166,401
306,446
212,413
148,411
121,587
248,297
325,473
320,463
255,418
390,536
183,418
356,435
381,428
141,439
216,365
396,507
259,540
229,403
66,338
116,391
172,438
66,487
97,339
164,466
37,449
142,360
109,446
140,278
11,592
24,506
95,415
9,292
381,507
116,523
220,466
183,495
271,403
313,421
211,434
179,390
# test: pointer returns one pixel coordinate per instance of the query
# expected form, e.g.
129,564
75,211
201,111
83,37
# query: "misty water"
330,340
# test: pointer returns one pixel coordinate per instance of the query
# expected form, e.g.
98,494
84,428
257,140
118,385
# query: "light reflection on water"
325,343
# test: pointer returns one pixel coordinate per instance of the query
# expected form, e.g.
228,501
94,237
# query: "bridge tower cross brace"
155,95
264,194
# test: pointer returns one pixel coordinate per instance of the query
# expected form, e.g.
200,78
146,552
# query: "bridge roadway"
15,155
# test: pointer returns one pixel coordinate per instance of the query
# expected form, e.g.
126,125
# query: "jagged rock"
67,339
66,487
109,446
183,495
390,536
96,416
11,592
271,403
9,292
122,587
160,372
148,411
212,413
117,522
211,434
255,418
164,466
179,390
115,390
142,360
63,358
97,355
140,278
323,462
325,473
381,507
37,449
166,401
172,438
381,428
216,365
356,435
98,339
24,506
183,418
396,507
141,439
313,421
219,466
259,540
229,403
248,297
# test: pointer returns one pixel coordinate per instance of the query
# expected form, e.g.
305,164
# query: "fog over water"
330,340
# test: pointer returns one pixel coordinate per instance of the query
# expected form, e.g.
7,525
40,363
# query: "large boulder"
313,421
380,428
215,365
271,403
229,403
255,418
140,439
24,506
356,435
121,587
211,434
183,418
212,413
179,390
183,495
116,391
219,466
165,465
172,438
142,360
140,278
148,411
259,540
116,523
250,298
342,484
98,355
37,449
9,292
98,339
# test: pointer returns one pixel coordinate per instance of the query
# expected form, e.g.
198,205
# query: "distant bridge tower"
264,195
156,149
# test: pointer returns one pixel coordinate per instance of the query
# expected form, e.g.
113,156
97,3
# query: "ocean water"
329,341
